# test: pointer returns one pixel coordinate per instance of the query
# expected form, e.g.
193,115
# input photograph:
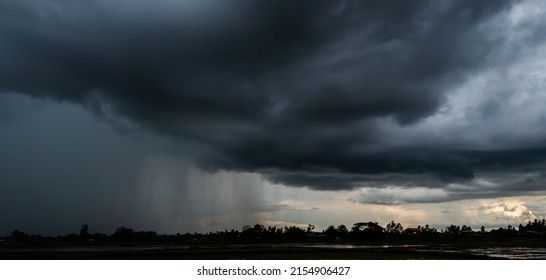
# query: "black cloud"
289,90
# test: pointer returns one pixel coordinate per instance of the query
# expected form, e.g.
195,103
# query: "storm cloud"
328,95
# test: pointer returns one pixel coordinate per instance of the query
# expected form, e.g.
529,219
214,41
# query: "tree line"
359,232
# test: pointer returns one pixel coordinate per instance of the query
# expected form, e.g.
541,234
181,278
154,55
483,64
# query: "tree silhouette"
359,232
294,233
84,232
331,232
535,227
366,231
467,228
123,234
452,230
394,228
342,229
251,233
18,235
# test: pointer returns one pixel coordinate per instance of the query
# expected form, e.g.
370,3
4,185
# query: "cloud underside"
488,186
329,95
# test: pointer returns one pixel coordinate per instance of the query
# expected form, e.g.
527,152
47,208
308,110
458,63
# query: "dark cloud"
488,185
523,160
406,168
289,90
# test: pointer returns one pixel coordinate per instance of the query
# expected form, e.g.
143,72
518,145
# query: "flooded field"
521,253
518,253
276,251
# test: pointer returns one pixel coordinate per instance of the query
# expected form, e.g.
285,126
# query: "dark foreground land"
456,250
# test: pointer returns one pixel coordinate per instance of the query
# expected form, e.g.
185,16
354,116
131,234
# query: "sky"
196,116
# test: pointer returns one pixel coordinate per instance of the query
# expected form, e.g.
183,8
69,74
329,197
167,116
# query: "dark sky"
323,95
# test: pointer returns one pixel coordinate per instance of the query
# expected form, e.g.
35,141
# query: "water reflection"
86,249
518,253
514,253
343,246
